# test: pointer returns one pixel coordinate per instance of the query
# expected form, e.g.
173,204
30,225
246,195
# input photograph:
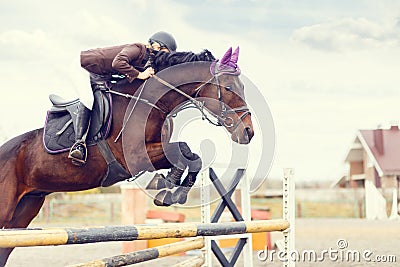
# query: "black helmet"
164,39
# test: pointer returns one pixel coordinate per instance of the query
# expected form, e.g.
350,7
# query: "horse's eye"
229,88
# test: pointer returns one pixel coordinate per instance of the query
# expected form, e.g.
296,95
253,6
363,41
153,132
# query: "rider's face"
156,46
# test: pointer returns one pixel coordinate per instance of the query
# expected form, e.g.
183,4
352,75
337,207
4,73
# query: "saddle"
59,135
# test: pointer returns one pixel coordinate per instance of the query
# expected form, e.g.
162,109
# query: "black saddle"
59,133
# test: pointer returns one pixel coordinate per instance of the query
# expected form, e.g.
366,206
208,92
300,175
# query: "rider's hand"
147,73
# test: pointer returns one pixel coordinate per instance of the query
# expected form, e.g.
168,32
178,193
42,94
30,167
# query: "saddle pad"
59,135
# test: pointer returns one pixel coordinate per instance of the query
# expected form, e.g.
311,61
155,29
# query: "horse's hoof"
182,199
164,198
157,183
179,195
169,185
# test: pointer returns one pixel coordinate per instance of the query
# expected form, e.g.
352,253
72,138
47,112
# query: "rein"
224,117
145,101
222,120
197,104
137,99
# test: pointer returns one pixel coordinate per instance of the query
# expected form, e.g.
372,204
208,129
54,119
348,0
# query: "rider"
101,63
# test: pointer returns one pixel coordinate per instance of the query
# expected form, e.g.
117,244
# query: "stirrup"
78,153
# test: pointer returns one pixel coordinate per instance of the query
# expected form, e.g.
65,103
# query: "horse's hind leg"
8,203
27,209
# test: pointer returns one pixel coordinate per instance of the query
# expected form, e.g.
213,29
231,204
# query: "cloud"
348,34
95,30
25,45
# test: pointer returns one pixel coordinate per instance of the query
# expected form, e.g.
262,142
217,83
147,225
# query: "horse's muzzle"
243,135
248,134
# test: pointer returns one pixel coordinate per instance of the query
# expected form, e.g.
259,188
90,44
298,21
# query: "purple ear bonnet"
227,64
226,59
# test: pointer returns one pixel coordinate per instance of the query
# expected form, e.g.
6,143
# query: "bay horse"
29,173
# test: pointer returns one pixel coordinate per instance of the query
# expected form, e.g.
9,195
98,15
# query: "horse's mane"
162,60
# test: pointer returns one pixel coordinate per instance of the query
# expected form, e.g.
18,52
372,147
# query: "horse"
29,172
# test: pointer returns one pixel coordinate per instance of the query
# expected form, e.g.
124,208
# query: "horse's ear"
235,55
227,57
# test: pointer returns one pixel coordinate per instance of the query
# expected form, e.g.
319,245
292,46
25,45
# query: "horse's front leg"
166,156
178,157
194,167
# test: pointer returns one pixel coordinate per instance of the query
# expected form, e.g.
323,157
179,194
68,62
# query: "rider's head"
163,41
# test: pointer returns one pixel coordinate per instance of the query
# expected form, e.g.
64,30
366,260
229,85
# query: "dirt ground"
373,241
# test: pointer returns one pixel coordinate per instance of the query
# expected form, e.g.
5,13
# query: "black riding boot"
78,152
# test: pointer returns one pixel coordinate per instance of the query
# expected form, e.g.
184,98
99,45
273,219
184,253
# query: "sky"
325,68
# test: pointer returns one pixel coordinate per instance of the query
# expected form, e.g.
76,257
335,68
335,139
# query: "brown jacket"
115,60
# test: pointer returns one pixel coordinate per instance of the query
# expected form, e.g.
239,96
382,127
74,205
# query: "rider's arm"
122,61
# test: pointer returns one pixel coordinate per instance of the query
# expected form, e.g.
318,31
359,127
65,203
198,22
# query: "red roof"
384,145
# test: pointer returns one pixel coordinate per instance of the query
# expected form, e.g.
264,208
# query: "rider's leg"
78,152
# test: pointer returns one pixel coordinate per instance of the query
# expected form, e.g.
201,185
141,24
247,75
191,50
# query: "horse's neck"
184,77
127,88
185,73
121,99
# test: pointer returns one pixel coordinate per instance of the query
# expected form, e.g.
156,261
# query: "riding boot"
78,152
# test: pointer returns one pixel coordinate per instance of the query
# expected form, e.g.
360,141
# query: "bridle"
222,119
224,116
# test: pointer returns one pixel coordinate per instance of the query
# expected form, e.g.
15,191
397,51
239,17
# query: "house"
374,156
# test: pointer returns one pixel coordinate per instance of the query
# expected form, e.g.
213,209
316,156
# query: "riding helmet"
164,39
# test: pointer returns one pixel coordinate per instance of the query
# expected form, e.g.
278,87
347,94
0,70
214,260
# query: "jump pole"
146,254
196,261
63,236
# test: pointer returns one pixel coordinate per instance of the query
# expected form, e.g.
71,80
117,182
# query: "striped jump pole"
196,261
146,254
62,236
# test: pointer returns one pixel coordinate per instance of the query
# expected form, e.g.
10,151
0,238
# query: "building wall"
354,184
389,181
356,167
370,175
369,168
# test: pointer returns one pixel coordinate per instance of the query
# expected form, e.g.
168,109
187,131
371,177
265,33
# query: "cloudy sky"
325,68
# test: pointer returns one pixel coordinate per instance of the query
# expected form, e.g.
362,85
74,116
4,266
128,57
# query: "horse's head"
222,94
224,97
